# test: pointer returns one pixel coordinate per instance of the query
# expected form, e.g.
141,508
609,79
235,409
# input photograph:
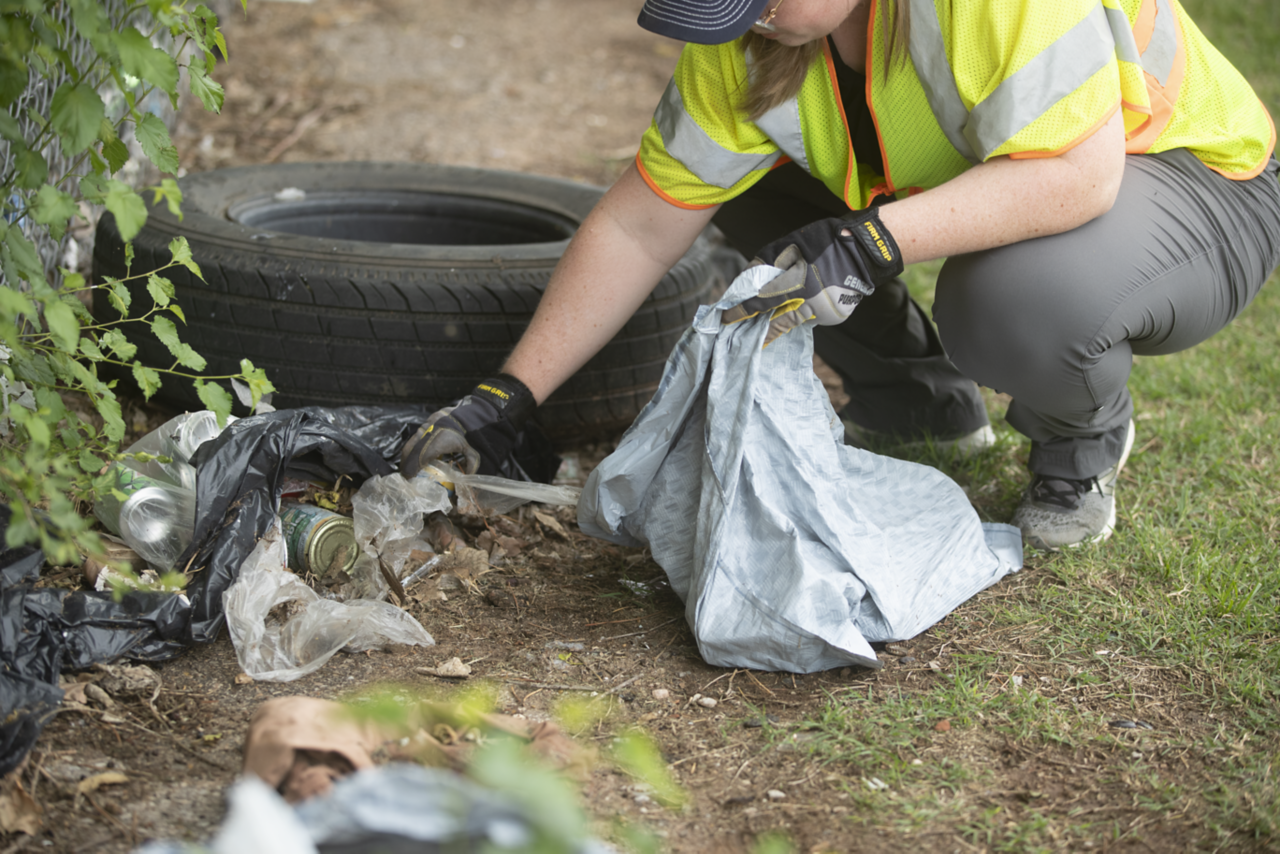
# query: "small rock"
776,795
935,666
570,646
907,659
707,702
917,761
643,799
661,694
943,725
451,669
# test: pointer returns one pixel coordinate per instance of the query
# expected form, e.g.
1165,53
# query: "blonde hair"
778,71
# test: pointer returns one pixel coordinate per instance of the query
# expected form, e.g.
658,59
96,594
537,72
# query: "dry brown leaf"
244,679
94,692
19,813
464,564
97,781
551,523
511,545
74,693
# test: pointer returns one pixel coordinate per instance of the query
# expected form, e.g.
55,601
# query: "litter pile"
207,503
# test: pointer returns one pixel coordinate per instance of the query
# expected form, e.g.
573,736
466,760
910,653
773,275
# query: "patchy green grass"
1048,683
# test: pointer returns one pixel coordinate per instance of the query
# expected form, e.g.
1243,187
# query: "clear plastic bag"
156,518
177,439
272,650
389,514
482,494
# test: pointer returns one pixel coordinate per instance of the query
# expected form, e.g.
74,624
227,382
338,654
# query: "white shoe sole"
966,446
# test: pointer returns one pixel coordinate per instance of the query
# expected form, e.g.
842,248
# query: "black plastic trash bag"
45,631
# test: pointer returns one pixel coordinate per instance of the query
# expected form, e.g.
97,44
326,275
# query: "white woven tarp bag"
791,550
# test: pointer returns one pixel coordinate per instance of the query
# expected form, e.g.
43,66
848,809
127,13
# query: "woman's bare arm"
624,247
1005,201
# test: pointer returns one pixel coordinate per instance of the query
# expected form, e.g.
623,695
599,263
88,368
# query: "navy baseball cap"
701,21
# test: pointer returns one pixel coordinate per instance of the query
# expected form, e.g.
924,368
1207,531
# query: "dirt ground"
564,88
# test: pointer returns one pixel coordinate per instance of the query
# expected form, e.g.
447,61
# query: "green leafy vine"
53,351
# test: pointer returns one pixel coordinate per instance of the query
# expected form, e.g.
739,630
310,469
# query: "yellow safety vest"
982,82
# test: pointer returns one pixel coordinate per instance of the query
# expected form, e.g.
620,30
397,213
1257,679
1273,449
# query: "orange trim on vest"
1163,98
850,168
871,104
1256,171
1037,155
879,190
1144,26
671,200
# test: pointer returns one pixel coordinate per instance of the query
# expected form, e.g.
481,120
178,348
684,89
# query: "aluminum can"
317,540
156,519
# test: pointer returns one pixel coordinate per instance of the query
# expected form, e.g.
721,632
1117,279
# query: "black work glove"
480,431
826,273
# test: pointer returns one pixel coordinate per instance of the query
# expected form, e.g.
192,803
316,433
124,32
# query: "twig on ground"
633,634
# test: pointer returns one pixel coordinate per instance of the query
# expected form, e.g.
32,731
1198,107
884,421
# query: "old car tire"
388,283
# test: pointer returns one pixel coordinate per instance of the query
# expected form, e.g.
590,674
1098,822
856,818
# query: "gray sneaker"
1057,512
966,446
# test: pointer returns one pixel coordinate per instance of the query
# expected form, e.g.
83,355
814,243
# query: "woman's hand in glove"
829,267
478,432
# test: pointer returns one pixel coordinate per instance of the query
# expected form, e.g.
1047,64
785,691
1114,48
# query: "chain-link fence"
75,248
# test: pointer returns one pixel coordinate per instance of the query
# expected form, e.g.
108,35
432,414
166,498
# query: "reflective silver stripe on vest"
1053,74
686,141
1023,97
1157,59
929,55
1122,32
782,124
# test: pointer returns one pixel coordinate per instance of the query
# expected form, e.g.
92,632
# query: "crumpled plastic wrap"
389,514
275,649
483,494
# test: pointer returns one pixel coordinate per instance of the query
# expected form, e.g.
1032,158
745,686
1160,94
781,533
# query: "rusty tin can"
318,541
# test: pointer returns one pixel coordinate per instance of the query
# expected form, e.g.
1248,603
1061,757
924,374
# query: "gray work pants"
1055,321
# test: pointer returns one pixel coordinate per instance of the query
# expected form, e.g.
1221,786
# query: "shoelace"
1061,491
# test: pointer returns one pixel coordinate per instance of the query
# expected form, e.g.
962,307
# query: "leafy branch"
61,421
